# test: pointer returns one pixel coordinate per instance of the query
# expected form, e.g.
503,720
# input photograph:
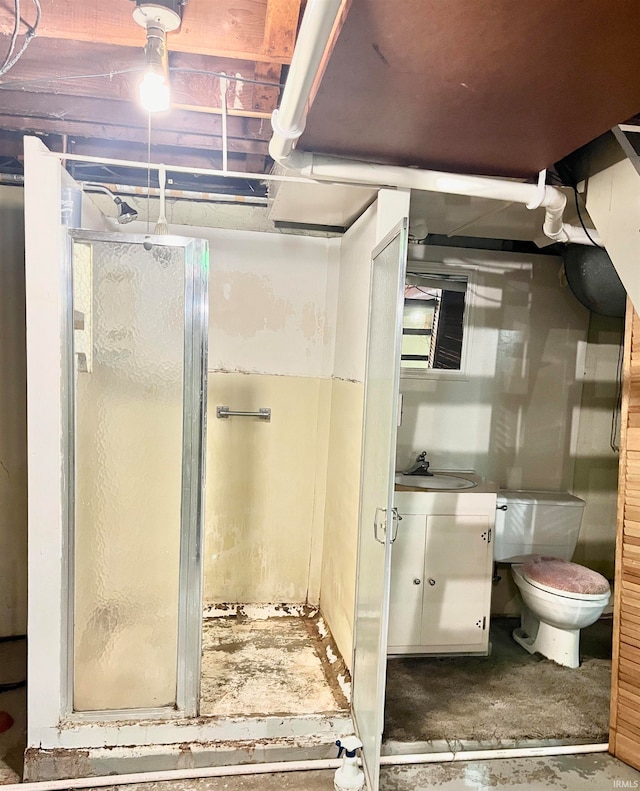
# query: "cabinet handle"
416,581
431,581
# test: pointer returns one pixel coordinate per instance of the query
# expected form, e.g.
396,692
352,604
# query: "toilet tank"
541,523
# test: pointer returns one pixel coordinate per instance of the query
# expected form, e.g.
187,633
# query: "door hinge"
395,523
380,525
489,539
484,623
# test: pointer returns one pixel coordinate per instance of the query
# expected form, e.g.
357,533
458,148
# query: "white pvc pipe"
300,766
175,774
223,104
321,168
126,163
318,21
210,197
288,125
9,179
486,755
575,234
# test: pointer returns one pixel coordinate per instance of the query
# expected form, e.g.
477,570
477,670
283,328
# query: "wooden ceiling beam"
126,135
45,60
281,19
257,30
265,98
69,109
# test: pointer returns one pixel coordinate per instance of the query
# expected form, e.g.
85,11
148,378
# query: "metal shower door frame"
194,426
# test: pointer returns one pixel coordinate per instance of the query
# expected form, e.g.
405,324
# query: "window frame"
439,268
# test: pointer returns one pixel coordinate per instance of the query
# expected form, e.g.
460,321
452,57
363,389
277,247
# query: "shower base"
267,660
274,688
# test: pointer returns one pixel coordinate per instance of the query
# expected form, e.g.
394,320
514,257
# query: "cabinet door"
457,580
407,583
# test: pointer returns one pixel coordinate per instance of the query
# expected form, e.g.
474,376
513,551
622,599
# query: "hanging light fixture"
158,19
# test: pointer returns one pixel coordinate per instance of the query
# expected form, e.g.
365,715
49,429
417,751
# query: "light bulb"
155,94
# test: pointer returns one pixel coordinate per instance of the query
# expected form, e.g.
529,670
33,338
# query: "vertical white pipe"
288,120
223,104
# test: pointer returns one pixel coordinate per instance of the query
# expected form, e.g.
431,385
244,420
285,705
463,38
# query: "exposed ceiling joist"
80,76
257,30
105,133
67,110
57,67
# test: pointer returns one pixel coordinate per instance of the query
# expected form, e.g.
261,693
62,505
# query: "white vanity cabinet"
441,570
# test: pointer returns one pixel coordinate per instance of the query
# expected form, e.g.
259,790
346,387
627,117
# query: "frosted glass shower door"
137,376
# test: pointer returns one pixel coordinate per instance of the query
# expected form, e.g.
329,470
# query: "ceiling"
500,87
98,44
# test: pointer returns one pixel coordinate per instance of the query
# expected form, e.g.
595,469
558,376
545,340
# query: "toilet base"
560,645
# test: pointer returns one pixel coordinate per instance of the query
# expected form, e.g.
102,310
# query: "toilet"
537,533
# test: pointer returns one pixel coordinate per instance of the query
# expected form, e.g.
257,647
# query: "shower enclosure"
136,341
117,386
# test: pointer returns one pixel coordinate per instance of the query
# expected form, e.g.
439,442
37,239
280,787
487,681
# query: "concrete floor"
278,664
498,700
598,772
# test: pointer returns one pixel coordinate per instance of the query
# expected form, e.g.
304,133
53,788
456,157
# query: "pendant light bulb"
157,18
155,94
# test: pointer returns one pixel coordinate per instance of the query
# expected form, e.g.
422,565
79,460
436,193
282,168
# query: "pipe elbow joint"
555,232
554,201
282,147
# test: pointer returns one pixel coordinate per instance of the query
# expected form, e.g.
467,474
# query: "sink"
435,481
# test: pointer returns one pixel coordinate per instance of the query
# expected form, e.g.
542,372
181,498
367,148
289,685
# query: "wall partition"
137,329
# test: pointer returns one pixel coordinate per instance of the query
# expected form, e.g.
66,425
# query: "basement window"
434,322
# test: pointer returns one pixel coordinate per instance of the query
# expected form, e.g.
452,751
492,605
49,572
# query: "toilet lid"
564,576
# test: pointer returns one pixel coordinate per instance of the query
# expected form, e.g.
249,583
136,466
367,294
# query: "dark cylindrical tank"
593,279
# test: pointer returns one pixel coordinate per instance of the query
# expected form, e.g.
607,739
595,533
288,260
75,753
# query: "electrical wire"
14,34
564,174
584,227
148,172
426,292
10,62
66,78
116,72
229,78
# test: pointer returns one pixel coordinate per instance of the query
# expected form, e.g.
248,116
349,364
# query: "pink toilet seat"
566,578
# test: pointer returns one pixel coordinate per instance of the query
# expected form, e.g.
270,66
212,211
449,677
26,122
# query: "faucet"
420,466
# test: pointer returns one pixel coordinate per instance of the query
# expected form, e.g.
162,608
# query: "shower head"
126,213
